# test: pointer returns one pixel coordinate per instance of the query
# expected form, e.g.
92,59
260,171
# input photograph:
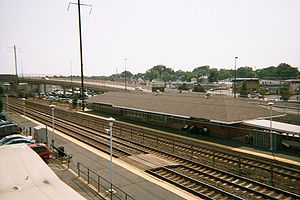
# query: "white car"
139,88
12,137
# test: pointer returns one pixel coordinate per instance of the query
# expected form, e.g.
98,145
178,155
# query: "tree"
178,75
1,104
183,87
187,77
285,94
286,71
225,74
1,90
244,90
213,76
245,72
128,74
160,72
198,88
269,72
139,75
201,71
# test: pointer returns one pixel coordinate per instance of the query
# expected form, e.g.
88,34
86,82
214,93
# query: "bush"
198,88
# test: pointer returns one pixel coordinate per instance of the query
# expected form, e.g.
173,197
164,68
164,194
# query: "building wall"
214,129
252,85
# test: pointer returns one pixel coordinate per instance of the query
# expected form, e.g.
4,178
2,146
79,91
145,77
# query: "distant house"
157,84
252,84
194,80
293,85
273,86
204,79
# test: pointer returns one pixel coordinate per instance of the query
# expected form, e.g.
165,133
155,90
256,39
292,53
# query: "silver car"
13,137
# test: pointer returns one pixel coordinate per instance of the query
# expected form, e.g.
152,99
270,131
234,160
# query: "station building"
221,115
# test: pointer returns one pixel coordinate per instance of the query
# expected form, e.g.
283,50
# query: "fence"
101,184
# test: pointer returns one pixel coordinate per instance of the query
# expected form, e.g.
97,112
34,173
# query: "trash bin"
61,151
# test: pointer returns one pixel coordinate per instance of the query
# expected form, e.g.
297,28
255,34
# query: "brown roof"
218,108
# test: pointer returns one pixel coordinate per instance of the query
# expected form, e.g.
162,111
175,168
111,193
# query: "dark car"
2,117
8,128
19,140
12,137
41,149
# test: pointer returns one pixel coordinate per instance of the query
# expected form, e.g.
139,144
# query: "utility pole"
71,79
125,75
16,66
235,76
80,43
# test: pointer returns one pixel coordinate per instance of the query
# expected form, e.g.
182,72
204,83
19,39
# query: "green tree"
1,104
244,90
1,90
183,87
213,76
225,74
269,72
201,71
245,72
285,94
160,72
178,75
139,75
198,88
128,74
286,71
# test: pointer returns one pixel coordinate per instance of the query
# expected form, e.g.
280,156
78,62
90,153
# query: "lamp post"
270,104
298,100
7,106
23,102
110,124
235,76
52,109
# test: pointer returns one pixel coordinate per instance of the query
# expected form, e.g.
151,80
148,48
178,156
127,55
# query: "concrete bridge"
42,81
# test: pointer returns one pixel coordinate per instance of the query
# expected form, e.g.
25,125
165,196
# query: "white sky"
181,34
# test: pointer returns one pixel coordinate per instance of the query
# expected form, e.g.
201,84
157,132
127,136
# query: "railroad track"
269,172
269,192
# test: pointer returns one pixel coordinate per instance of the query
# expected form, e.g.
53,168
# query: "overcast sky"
180,34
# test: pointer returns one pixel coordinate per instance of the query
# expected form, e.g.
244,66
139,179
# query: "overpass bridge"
91,84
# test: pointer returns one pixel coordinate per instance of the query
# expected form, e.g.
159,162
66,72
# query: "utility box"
40,134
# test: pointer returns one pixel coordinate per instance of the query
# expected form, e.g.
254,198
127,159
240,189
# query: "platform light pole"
297,90
235,76
270,104
52,109
23,102
7,106
110,124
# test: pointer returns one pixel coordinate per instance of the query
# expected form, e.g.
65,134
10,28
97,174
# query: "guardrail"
102,185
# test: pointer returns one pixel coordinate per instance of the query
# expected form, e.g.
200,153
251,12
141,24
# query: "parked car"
8,128
2,117
20,140
41,149
12,137
139,88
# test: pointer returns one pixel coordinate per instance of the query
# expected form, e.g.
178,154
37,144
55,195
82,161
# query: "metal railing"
102,185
